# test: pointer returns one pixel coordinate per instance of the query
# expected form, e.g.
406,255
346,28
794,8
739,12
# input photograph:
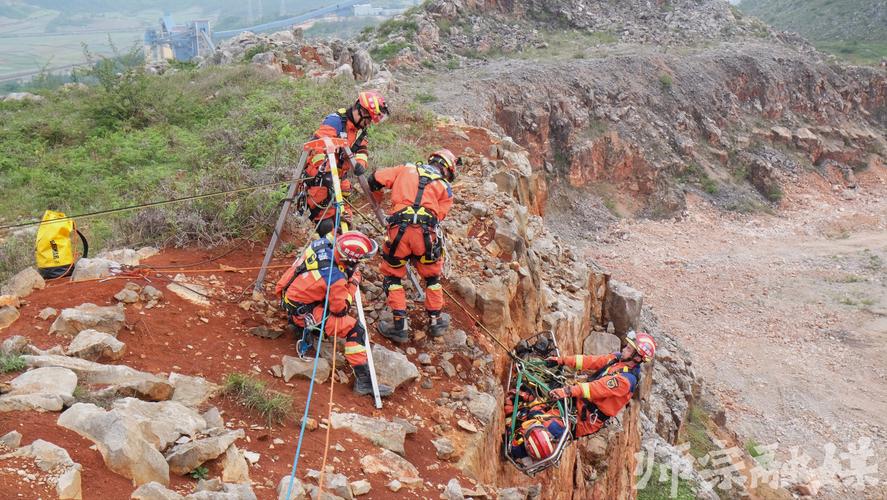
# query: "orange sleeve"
604,387
445,202
287,276
581,362
340,298
386,176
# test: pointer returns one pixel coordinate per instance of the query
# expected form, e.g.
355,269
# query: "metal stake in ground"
370,365
281,219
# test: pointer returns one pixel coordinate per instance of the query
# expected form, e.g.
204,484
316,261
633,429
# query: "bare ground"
785,315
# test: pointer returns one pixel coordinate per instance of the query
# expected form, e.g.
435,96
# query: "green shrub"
387,50
774,193
12,363
251,52
665,80
199,473
425,98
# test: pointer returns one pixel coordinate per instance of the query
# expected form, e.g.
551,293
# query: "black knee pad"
357,334
325,227
389,281
432,280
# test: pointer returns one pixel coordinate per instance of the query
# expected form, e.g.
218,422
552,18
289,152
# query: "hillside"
852,29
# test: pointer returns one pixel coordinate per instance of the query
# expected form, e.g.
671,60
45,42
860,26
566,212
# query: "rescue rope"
329,416
318,348
147,205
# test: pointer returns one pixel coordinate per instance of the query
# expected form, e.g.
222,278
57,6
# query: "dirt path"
785,315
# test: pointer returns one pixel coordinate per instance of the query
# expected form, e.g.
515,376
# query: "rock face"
393,368
623,307
388,435
43,389
94,345
23,283
88,316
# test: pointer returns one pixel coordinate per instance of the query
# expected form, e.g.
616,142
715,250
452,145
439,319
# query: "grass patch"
12,363
254,51
696,432
388,50
709,185
425,98
453,64
662,490
665,80
405,27
273,406
850,278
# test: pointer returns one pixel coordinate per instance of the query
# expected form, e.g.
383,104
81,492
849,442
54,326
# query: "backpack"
54,249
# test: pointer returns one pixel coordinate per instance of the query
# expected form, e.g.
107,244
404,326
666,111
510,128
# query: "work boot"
363,384
438,324
397,331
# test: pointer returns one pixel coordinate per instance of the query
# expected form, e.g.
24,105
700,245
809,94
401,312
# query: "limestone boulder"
302,368
94,345
388,435
94,269
623,306
393,368
8,316
184,458
393,466
72,321
43,389
192,391
23,283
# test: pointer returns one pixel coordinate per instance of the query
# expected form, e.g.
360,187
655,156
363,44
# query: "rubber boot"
438,324
363,385
397,331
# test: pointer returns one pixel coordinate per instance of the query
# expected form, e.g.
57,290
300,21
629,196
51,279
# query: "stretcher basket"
533,351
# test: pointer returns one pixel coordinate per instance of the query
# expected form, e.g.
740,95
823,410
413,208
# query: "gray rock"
155,491
234,467
43,389
87,316
444,447
94,269
150,294
11,440
362,64
337,484
480,404
47,312
361,487
227,492
192,391
184,458
293,366
424,358
455,339
448,368
23,283
513,494
8,316
161,423
55,459
393,368
297,492
125,256
127,296
68,485
191,292
453,491
393,466
213,418
623,306
120,376
465,288
94,345
600,343
388,435
14,345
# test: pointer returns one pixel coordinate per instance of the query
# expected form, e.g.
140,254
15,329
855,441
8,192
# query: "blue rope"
326,304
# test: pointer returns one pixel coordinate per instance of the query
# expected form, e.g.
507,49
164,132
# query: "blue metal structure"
344,7
179,42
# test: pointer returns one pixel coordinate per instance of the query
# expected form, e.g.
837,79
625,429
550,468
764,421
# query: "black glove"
359,169
552,362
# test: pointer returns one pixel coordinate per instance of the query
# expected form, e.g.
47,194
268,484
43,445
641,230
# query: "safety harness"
589,408
318,256
416,214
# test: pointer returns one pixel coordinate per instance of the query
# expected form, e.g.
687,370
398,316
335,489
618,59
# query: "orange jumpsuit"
320,186
604,397
305,291
411,231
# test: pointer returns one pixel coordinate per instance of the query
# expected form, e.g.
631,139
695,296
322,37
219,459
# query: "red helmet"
373,103
643,343
354,246
446,158
538,442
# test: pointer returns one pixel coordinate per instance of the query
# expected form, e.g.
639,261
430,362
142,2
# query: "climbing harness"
416,214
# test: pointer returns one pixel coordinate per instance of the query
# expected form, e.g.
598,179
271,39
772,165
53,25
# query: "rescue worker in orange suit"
421,197
303,291
350,124
616,378
541,427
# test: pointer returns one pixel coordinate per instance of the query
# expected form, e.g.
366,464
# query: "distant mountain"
856,29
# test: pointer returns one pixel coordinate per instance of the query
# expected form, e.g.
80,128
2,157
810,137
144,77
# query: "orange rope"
329,414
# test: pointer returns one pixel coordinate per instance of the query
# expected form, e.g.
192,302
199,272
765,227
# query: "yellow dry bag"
55,250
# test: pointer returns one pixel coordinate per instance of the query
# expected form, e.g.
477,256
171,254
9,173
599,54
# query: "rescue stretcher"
531,374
